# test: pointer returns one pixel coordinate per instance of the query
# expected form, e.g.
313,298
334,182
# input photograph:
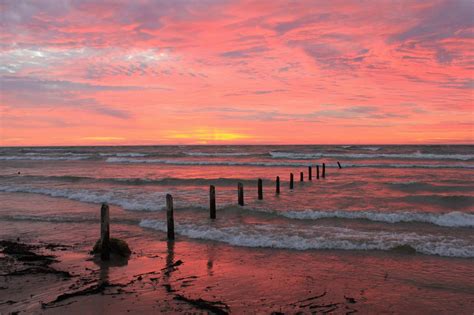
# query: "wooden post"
260,189
317,171
169,216
278,184
212,201
240,193
339,164
301,176
104,232
310,173
324,170
291,181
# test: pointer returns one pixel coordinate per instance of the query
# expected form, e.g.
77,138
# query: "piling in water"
277,185
240,194
317,171
324,170
339,164
169,216
301,176
260,189
212,202
104,232
310,173
291,181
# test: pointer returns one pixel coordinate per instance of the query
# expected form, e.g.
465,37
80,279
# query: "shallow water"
383,200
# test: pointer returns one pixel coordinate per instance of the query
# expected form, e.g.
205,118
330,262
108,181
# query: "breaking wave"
415,155
299,238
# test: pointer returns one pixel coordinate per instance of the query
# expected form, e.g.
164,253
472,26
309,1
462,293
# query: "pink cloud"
389,72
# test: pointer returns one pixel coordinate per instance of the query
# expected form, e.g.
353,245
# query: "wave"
187,162
411,186
44,158
152,201
415,155
62,153
324,237
124,154
396,165
370,148
279,164
167,181
216,154
451,219
64,219
451,201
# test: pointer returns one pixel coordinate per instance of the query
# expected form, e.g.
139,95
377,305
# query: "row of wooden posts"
240,195
104,211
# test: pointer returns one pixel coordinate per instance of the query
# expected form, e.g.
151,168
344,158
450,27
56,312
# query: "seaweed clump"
117,247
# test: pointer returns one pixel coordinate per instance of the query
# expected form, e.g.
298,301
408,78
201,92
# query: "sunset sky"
222,72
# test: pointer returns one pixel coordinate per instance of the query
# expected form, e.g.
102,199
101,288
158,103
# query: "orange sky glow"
236,72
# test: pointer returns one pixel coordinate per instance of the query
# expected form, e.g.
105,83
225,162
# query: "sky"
236,72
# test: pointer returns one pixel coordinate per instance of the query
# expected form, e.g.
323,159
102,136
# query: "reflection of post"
169,257
104,272
210,259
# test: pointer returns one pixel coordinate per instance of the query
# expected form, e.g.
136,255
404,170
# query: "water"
393,228
383,197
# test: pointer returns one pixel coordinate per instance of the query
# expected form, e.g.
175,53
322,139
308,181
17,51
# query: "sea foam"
298,238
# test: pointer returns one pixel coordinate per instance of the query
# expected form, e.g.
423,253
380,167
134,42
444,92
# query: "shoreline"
182,276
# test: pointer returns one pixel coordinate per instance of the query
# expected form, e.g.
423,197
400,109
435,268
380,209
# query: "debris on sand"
218,307
35,263
95,289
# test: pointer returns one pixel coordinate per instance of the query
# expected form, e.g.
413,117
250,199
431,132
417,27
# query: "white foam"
121,197
277,164
217,154
187,162
451,219
301,238
124,154
43,158
415,155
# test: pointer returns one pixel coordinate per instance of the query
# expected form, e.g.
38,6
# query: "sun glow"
205,135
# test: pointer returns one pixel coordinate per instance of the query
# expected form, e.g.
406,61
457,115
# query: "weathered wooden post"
278,184
104,232
260,189
324,170
339,164
310,173
240,193
317,171
169,216
291,181
301,176
212,201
